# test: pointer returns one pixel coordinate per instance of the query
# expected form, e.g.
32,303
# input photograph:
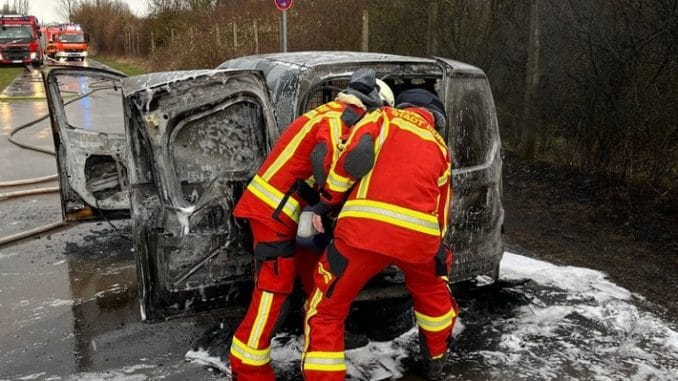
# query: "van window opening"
72,38
327,90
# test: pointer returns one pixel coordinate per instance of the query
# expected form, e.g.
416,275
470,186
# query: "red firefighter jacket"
289,161
397,206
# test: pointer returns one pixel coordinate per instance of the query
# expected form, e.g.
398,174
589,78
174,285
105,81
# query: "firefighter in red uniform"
272,203
396,171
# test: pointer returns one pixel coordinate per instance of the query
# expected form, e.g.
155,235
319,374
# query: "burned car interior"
91,149
192,155
178,148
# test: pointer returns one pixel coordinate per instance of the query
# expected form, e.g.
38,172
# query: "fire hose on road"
30,192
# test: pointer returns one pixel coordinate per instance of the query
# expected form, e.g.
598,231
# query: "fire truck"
65,41
20,40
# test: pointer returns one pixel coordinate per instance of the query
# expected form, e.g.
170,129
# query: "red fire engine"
20,40
65,41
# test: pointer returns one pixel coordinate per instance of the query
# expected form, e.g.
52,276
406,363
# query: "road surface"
69,310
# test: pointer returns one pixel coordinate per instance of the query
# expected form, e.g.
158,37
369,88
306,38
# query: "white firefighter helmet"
385,93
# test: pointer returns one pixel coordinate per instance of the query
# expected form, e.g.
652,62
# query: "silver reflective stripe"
273,199
338,184
324,361
391,215
435,323
249,355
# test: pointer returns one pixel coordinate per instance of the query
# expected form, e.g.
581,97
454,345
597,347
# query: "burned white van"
175,150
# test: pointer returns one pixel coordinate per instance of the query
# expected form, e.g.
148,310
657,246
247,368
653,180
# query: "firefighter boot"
431,368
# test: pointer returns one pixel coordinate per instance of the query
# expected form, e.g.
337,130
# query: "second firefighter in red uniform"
396,172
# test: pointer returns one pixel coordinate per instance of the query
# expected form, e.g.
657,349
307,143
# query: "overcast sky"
47,10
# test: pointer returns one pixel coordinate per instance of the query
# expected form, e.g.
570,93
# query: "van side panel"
477,212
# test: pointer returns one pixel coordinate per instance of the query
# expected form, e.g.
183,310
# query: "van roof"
310,59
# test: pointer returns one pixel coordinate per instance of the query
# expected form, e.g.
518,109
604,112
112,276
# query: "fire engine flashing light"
71,28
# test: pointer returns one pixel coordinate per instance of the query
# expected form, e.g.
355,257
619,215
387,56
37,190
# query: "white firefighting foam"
578,325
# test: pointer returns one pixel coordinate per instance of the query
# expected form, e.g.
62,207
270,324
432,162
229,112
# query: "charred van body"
186,143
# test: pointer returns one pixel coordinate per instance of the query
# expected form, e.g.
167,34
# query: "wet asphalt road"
68,298
68,304
18,163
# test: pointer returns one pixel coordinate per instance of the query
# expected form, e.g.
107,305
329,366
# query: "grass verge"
121,64
7,75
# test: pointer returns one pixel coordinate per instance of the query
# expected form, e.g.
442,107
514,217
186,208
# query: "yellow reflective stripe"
367,119
262,317
392,214
310,312
325,355
435,324
442,180
365,181
335,137
427,134
310,181
290,149
334,181
293,145
325,361
338,183
311,114
327,276
319,360
272,197
446,212
250,356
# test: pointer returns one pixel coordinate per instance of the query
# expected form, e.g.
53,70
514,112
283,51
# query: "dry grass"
129,66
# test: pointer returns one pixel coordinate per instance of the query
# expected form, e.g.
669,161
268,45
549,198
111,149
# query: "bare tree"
529,121
159,6
65,9
587,83
111,25
21,7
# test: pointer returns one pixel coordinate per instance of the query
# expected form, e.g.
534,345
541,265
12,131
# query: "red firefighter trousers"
274,281
434,306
